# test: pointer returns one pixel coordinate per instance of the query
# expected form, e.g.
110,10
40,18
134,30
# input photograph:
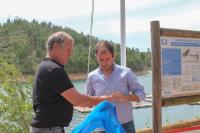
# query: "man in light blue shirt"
109,78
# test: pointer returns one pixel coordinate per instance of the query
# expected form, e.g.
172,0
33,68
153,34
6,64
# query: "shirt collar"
52,60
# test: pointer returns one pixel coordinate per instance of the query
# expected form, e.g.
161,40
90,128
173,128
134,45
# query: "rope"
90,41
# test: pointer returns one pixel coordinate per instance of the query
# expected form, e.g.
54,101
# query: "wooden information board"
175,69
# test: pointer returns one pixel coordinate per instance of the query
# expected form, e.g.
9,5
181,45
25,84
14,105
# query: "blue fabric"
103,116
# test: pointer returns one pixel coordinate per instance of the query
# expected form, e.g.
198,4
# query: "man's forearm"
99,99
90,101
125,98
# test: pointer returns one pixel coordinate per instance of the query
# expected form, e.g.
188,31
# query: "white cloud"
136,4
108,6
44,9
105,25
187,20
184,20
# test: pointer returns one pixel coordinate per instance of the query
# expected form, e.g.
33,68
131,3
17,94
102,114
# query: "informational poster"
180,66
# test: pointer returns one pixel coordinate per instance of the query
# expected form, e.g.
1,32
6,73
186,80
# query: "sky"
76,14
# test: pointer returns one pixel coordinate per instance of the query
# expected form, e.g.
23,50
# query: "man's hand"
106,98
117,96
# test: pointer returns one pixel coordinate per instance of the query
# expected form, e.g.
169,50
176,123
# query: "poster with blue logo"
180,66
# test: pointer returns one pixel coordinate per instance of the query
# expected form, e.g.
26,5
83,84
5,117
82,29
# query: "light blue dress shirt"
121,79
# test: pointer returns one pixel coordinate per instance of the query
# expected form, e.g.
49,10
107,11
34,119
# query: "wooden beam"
180,100
182,124
179,33
156,77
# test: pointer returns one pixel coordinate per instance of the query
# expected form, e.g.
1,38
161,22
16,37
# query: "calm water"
143,116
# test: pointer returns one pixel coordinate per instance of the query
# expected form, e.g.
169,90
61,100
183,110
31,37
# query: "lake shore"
83,76
77,76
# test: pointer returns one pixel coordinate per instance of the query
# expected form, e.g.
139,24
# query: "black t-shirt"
50,108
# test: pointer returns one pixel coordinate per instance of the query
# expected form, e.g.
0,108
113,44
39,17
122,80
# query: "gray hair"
58,38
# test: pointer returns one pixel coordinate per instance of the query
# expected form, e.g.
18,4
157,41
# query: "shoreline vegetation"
76,76
83,76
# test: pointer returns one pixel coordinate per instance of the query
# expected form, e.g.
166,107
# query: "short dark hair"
58,38
104,44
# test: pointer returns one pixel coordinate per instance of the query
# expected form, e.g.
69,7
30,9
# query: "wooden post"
156,77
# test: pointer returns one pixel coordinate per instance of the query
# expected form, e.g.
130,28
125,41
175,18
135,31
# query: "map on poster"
180,66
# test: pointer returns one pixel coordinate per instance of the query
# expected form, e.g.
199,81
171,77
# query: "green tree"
15,105
23,43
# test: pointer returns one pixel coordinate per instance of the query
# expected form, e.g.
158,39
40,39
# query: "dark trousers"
47,130
129,127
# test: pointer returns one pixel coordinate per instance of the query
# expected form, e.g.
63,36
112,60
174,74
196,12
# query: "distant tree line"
22,43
